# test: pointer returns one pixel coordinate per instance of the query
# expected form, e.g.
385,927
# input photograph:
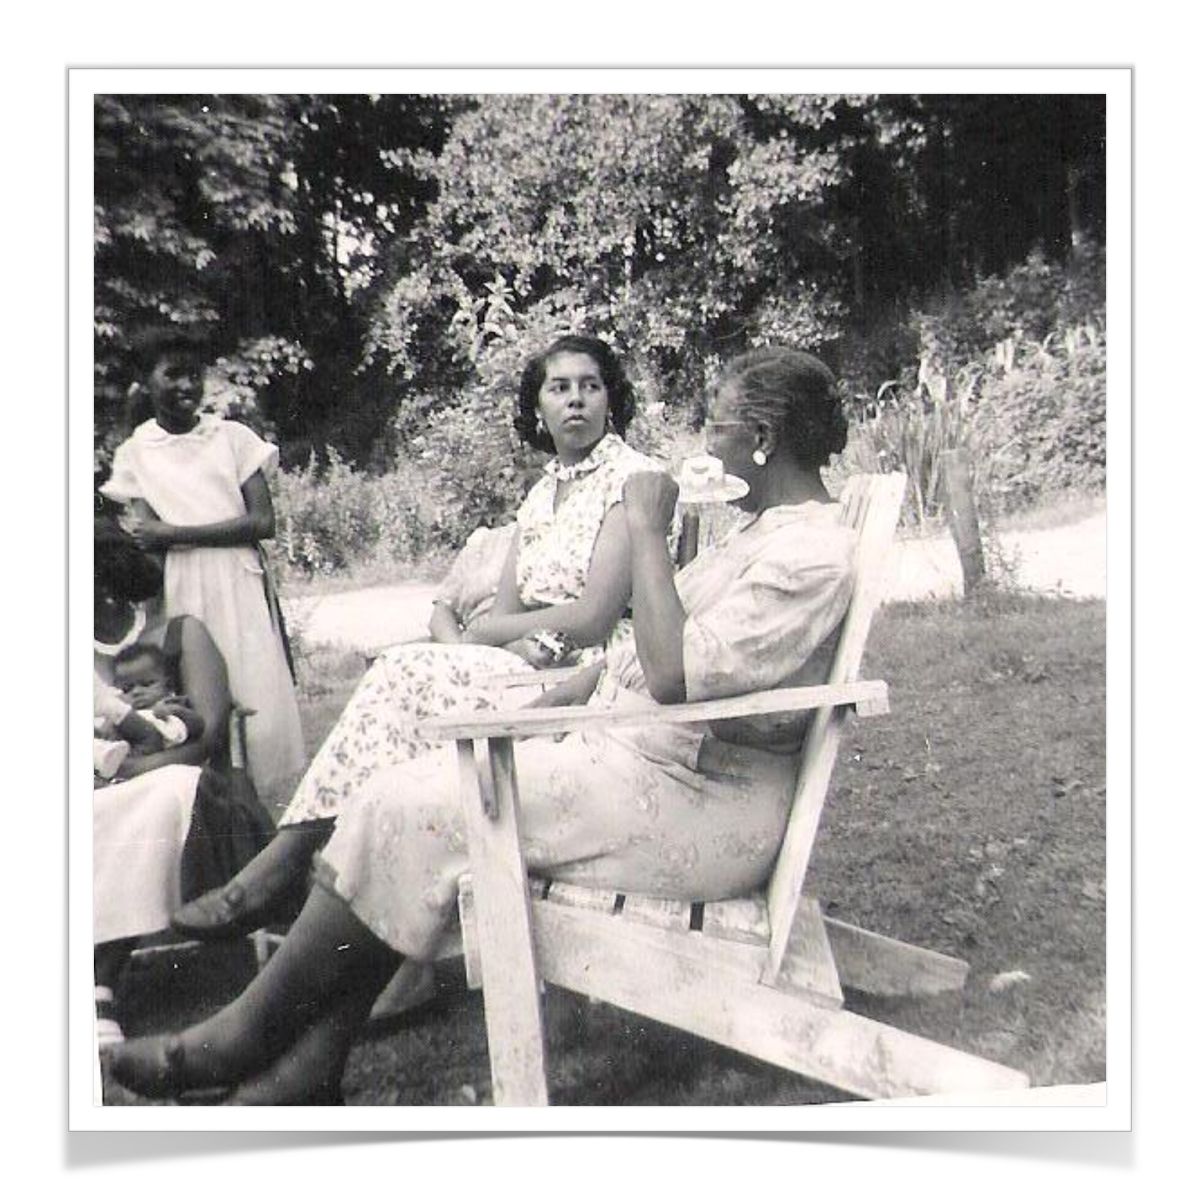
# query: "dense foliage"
374,269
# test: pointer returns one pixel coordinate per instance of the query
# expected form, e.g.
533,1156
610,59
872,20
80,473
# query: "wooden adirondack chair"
762,974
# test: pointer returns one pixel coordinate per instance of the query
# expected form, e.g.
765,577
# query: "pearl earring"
759,458
540,424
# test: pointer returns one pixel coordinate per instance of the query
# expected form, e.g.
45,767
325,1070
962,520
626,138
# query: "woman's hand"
532,651
148,532
649,498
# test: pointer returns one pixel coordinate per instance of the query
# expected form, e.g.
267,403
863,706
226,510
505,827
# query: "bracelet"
556,644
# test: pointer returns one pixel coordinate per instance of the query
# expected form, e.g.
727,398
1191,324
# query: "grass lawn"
971,820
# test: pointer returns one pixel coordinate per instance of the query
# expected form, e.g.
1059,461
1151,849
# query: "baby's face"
142,681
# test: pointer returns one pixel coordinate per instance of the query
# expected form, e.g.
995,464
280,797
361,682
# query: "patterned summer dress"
423,679
663,810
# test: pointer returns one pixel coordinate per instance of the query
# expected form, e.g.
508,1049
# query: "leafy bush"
908,429
332,519
1013,370
472,469
1033,301
1043,421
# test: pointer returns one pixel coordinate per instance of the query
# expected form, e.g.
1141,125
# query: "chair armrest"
868,696
544,677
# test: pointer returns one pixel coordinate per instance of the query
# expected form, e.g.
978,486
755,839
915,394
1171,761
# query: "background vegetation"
374,269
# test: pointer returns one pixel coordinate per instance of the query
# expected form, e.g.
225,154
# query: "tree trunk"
964,520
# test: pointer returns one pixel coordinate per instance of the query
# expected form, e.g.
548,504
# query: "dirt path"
1069,560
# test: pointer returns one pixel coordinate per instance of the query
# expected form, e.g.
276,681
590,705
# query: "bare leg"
310,1070
412,987
327,957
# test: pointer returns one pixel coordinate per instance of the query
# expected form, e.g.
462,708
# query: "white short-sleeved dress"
424,679
196,478
668,811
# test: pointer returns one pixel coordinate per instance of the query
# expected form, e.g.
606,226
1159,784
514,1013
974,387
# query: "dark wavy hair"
796,395
621,398
194,344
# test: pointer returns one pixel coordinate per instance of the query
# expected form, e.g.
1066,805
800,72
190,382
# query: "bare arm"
586,621
576,690
256,525
508,594
443,624
658,615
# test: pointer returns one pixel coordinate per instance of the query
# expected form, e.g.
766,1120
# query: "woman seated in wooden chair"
669,810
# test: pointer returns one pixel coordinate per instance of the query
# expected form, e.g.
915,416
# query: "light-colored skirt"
375,731
139,827
595,810
224,589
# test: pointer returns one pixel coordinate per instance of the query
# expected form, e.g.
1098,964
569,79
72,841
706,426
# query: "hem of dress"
325,876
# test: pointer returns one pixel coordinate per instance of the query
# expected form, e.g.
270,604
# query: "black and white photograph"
600,598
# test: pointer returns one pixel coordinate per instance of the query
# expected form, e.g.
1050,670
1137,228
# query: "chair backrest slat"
870,505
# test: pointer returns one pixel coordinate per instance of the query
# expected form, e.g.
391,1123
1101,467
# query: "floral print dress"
669,811
410,682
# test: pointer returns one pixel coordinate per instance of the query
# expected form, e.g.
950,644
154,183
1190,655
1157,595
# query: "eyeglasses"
709,428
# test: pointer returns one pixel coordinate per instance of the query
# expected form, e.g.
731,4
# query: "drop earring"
540,424
759,458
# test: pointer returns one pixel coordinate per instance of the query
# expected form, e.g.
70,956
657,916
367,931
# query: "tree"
259,219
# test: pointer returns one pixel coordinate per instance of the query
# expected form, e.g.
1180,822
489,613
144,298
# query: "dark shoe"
156,1067
228,912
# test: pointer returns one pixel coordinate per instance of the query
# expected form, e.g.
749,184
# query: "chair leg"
512,1005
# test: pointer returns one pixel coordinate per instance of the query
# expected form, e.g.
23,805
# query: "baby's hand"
172,706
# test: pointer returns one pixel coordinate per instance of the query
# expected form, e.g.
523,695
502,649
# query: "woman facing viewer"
686,812
196,487
566,574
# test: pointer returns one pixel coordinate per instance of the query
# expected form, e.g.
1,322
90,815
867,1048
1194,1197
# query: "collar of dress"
604,451
135,631
151,433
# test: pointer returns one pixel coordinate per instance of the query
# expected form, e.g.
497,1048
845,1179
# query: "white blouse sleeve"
123,484
765,626
250,452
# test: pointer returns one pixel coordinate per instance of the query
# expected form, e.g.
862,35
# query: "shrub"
332,519
1013,370
1043,421
472,468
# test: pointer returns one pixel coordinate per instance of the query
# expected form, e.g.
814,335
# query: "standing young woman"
196,488
566,578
